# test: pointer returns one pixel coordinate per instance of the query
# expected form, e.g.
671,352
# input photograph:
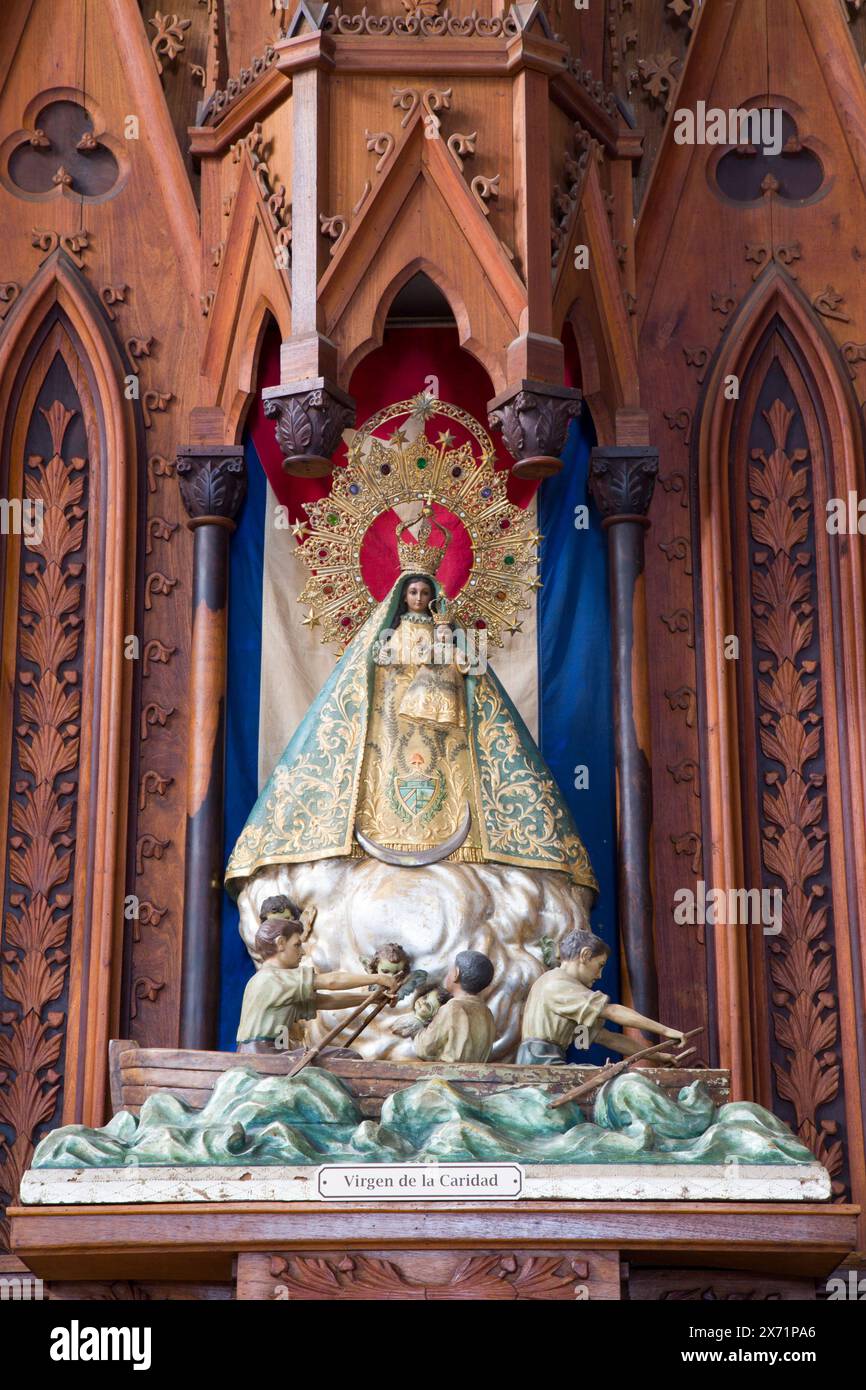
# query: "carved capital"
213,482
621,481
310,417
534,417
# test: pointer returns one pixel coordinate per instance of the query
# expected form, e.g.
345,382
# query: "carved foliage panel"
151,993
45,654
647,47
783,599
424,1276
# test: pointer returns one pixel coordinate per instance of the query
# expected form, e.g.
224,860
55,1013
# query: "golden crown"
417,554
443,610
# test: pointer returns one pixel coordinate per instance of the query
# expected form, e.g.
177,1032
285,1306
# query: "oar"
312,1053
608,1072
365,1021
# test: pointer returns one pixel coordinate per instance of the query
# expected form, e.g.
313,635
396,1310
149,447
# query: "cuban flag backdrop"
557,670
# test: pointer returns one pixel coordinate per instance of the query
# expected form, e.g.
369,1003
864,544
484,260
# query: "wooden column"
213,482
534,409
309,408
621,482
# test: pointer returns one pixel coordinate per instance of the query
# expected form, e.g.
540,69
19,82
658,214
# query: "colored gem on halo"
422,463
333,519
487,492
354,488
509,559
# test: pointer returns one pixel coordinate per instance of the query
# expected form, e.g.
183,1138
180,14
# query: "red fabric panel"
393,372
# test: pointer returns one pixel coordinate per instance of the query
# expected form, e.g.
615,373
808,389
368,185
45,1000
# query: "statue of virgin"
412,804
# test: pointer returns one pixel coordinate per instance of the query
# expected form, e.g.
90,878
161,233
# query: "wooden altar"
239,170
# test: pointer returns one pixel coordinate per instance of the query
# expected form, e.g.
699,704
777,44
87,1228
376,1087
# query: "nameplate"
394,1182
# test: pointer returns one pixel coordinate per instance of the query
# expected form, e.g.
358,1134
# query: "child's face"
589,968
426,1007
289,951
392,967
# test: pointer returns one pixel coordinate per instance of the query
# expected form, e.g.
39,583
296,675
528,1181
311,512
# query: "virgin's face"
418,596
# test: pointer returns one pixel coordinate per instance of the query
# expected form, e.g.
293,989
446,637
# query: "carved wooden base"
310,418
265,1277
321,1251
534,417
429,1276
537,466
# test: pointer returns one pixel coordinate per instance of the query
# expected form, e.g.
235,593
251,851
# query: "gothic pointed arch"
593,302
422,201
260,318
779,602
252,284
422,265
70,473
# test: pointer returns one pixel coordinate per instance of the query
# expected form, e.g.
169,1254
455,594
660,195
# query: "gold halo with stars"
380,474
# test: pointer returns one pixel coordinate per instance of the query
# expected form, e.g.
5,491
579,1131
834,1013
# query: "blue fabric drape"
242,721
574,667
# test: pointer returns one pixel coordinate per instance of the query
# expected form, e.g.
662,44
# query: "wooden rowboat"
138,1072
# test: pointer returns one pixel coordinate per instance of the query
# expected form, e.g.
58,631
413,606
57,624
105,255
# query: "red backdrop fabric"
395,371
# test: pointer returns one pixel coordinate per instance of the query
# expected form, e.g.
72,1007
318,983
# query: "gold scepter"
612,1069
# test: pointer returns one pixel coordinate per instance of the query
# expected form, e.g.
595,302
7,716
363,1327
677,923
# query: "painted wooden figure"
563,1007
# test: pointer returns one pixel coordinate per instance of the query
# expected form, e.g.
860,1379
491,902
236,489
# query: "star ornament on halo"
423,406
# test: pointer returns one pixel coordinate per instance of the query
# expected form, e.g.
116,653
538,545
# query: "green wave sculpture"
313,1119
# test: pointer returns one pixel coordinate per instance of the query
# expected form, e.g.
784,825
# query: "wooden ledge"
201,1241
